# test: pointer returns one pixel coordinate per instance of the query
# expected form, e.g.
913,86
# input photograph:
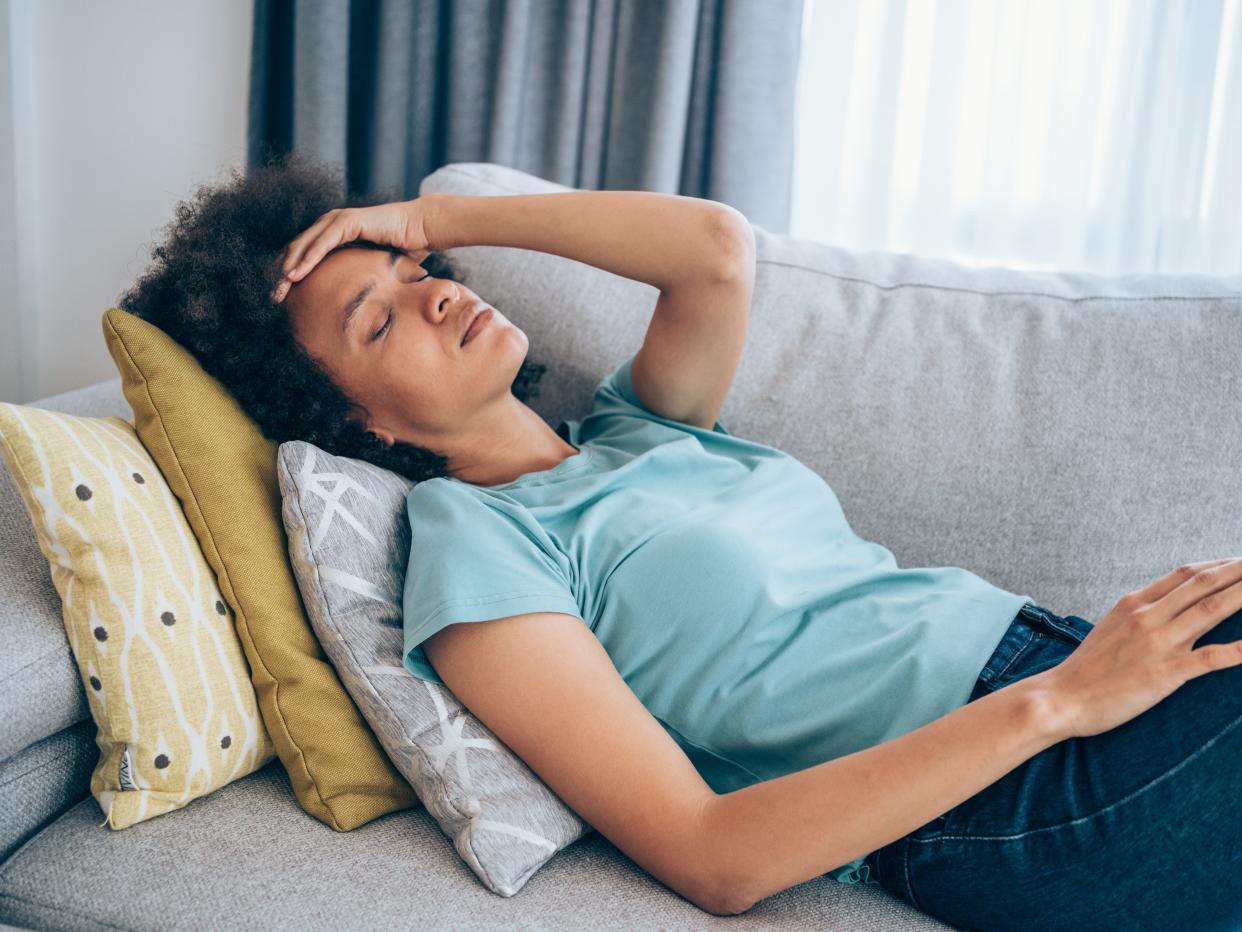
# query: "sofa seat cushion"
248,857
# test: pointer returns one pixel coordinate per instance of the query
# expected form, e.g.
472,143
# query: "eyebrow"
351,309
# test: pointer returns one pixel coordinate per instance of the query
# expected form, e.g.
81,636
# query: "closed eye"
380,332
384,329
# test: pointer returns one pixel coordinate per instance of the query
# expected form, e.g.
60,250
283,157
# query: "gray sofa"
1069,436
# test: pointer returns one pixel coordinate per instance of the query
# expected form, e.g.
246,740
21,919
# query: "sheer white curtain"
1065,134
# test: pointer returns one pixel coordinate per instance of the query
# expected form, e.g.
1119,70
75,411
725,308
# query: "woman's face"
415,379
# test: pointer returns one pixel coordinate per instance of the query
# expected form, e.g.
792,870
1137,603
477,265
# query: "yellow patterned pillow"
223,471
154,642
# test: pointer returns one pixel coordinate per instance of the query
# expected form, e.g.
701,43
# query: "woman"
804,705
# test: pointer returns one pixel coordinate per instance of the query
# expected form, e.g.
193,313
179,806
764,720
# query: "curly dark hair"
210,290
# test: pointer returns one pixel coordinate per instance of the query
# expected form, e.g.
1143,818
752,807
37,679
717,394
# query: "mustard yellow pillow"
164,674
223,470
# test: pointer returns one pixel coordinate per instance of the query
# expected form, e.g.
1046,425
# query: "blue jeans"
1137,828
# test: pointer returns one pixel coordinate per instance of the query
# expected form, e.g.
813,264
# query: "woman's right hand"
402,224
1140,652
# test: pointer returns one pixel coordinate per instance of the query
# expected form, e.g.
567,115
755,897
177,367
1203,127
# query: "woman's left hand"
402,224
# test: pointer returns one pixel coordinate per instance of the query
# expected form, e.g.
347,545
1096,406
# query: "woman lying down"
772,697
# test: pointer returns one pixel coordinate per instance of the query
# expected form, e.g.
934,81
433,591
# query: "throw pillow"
223,470
349,539
164,675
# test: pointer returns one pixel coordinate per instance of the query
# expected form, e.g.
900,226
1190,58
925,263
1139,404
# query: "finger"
1207,613
342,229
1210,657
296,261
297,248
1161,587
1206,581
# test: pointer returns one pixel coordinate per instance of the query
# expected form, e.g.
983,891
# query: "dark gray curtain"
691,97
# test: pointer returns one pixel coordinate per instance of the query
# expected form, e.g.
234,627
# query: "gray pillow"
349,543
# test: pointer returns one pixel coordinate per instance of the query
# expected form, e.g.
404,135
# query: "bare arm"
664,240
785,831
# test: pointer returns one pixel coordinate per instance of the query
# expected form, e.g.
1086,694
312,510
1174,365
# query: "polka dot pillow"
153,639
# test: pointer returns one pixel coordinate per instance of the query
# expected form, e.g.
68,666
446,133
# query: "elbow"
733,242
730,909
728,898
724,891
719,899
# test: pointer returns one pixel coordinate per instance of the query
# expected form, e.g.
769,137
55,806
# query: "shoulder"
444,509
616,396
445,490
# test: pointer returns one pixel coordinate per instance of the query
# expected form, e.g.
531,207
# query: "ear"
383,435
359,416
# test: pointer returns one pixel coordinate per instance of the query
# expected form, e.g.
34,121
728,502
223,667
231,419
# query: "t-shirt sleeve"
475,558
616,395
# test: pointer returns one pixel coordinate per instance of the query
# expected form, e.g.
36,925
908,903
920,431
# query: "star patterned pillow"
349,544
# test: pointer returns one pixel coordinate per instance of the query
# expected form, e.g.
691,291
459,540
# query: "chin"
516,335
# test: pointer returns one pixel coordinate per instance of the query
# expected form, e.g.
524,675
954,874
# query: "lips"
469,317
483,311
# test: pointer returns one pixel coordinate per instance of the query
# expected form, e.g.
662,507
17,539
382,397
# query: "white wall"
110,113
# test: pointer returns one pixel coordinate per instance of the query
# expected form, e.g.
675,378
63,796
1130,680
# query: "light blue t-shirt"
723,580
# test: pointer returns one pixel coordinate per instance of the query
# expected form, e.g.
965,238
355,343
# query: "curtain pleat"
691,97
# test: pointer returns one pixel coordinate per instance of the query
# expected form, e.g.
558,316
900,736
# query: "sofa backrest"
1065,435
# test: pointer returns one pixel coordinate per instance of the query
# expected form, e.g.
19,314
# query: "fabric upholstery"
247,858
43,781
349,539
166,681
223,470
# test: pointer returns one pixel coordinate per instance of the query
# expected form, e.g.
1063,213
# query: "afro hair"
210,289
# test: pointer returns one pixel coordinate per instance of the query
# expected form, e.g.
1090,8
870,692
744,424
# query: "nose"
444,297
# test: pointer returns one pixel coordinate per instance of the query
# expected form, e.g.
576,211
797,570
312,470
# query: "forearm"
784,831
663,240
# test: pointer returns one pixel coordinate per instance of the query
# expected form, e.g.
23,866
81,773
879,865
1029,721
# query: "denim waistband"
1030,620
1070,627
